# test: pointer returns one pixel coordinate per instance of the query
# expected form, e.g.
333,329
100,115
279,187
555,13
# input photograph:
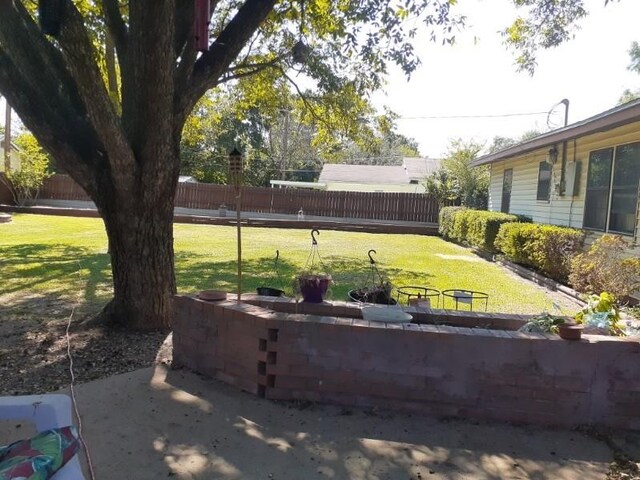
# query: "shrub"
445,220
547,248
606,266
477,228
512,242
482,228
26,182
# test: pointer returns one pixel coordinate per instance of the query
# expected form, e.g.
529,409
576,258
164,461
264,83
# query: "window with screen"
611,200
544,181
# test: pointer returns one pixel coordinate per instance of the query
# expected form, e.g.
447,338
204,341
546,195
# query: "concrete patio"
158,423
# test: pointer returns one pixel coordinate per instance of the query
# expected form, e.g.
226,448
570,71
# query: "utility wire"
500,115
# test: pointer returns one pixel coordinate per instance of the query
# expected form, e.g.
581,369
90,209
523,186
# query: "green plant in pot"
376,290
543,323
601,316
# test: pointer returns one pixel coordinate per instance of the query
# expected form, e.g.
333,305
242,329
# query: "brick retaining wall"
431,369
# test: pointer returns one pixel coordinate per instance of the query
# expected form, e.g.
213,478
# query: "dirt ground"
33,346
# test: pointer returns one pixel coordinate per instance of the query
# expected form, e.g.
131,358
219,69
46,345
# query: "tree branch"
148,86
212,64
52,109
254,68
259,65
304,99
81,60
58,130
116,25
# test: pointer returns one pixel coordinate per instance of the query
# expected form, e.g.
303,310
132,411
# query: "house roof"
368,174
419,168
608,120
412,168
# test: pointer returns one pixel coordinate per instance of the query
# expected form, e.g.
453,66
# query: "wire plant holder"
377,289
314,281
275,280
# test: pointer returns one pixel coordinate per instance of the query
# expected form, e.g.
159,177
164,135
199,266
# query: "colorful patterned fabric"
39,457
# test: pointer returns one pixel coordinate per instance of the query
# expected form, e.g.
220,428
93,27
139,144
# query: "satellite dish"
557,117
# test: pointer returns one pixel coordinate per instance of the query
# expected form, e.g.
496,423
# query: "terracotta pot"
570,331
212,295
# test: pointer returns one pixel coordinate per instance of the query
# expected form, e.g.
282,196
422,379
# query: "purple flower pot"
314,287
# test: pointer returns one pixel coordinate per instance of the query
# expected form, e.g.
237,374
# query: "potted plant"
271,291
543,323
313,286
601,316
570,330
378,289
380,293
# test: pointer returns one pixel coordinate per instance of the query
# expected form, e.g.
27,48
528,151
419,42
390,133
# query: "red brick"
535,380
292,383
278,394
573,384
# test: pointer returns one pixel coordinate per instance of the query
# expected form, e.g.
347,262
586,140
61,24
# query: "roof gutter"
599,123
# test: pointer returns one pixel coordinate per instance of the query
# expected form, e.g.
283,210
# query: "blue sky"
477,76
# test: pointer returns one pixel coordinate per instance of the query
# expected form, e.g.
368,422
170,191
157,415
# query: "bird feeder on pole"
235,178
201,19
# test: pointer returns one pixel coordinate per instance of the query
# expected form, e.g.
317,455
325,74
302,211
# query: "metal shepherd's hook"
313,238
371,260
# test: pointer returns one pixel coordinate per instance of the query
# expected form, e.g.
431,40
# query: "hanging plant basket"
377,290
312,283
269,291
379,295
313,287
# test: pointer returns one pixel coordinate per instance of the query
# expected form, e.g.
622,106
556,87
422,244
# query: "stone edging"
540,279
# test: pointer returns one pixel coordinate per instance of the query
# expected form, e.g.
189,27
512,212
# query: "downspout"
563,166
575,178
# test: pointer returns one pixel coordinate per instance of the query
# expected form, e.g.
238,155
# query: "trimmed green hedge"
477,228
445,221
547,248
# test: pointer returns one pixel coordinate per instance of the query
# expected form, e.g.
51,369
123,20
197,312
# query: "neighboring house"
15,155
408,177
585,175
418,169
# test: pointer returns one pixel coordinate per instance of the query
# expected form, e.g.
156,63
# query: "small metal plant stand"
414,293
468,297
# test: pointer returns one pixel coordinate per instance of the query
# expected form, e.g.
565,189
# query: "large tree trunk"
124,154
139,225
141,246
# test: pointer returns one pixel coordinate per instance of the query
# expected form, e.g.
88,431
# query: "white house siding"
566,210
15,160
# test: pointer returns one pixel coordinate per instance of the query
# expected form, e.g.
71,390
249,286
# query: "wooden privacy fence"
410,207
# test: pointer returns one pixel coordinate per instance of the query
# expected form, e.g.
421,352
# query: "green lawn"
66,258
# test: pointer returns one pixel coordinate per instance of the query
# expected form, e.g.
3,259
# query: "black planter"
270,292
380,297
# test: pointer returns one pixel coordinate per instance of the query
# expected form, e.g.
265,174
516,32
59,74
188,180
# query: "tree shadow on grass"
70,269
197,273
